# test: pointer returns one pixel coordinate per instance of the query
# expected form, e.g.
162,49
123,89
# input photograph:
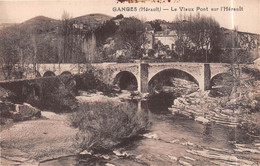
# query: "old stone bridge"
142,72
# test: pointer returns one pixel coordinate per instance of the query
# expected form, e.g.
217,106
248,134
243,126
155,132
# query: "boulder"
179,102
120,154
151,136
172,157
227,111
85,152
4,93
18,112
174,110
202,120
25,112
6,109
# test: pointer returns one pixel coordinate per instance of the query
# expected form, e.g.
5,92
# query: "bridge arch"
65,73
48,74
126,80
222,84
174,73
224,79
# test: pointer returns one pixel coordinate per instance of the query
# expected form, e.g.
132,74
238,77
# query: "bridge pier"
143,78
204,82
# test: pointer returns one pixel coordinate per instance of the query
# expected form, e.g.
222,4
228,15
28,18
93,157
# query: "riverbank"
167,140
48,137
204,108
113,122
232,101
29,142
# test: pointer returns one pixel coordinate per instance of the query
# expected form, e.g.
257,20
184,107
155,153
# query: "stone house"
167,38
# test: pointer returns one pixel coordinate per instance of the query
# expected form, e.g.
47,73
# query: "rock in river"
202,120
25,112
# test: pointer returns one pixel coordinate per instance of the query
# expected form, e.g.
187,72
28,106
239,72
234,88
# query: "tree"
128,38
16,49
73,40
90,48
199,34
131,36
104,34
65,30
48,48
156,25
120,16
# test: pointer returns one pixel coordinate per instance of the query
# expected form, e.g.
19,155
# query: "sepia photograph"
130,83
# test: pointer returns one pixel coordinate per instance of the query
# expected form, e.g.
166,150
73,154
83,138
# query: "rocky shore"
29,142
17,112
204,108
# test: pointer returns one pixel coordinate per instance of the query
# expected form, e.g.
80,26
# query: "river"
166,139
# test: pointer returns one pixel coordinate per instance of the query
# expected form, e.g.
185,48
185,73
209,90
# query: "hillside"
92,20
5,25
48,37
58,43
40,24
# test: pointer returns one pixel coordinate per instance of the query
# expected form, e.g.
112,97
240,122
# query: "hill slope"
5,25
40,24
92,20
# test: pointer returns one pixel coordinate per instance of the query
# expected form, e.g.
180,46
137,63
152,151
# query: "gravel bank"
29,142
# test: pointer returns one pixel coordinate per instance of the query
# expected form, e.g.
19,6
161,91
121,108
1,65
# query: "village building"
167,38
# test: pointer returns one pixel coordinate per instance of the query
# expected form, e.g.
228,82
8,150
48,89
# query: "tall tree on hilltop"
89,47
65,18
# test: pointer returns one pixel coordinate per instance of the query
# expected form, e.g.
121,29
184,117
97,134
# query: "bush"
58,94
103,125
89,81
244,91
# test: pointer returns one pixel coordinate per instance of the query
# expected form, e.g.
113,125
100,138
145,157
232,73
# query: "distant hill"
40,24
4,25
40,19
92,20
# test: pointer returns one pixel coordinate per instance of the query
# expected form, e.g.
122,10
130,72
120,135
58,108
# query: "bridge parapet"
58,69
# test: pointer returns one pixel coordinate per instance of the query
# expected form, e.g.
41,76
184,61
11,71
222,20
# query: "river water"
166,139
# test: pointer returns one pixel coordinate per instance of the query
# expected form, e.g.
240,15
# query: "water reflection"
159,103
207,133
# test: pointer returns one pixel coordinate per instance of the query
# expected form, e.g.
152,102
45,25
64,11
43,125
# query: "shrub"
104,124
244,91
58,94
89,81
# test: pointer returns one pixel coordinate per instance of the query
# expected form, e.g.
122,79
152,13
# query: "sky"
248,20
